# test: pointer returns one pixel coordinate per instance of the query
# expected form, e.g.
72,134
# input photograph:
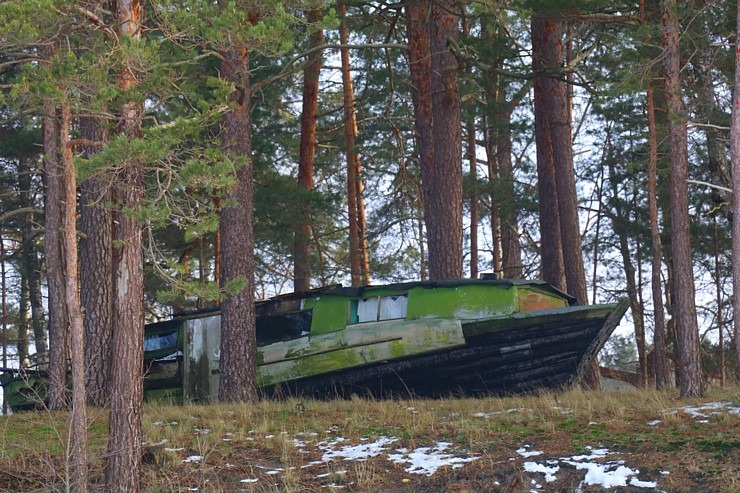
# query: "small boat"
421,339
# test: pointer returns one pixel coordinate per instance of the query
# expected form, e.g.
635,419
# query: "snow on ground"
599,470
602,467
711,408
426,460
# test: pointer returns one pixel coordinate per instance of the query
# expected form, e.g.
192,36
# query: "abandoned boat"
425,339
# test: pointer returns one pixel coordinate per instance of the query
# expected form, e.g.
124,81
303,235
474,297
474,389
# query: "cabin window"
379,308
166,340
393,307
283,327
367,310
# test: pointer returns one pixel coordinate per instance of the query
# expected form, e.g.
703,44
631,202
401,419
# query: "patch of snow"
193,458
665,473
711,408
355,452
643,484
249,480
178,449
528,453
549,472
654,422
426,460
607,474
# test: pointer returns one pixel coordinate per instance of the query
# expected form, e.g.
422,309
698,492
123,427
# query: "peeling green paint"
330,313
463,302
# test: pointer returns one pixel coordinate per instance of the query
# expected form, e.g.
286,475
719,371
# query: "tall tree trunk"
123,466
307,153
511,250
78,416
552,98
96,223
443,196
436,98
620,225
238,334
28,256
551,250
683,281
473,194
53,224
420,66
501,169
735,155
659,345
353,158
21,344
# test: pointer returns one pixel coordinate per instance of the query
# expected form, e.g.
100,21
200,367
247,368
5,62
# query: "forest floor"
628,441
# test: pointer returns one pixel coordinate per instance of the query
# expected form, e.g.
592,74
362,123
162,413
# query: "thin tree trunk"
96,223
238,334
350,131
473,193
31,270
735,156
123,466
687,335
362,224
511,250
21,344
72,298
501,169
720,302
53,221
307,153
659,344
620,222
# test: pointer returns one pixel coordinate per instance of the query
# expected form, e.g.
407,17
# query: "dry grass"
277,446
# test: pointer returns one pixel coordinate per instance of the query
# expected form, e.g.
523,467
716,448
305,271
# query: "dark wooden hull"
533,354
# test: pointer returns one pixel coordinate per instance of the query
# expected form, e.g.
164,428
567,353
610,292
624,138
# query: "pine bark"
500,167
735,157
96,224
683,279
31,266
444,197
473,197
553,108
551,250
238,337
436,98
511,250
78,415
353,158
307,154
123,465
659,344
420,66
53,224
